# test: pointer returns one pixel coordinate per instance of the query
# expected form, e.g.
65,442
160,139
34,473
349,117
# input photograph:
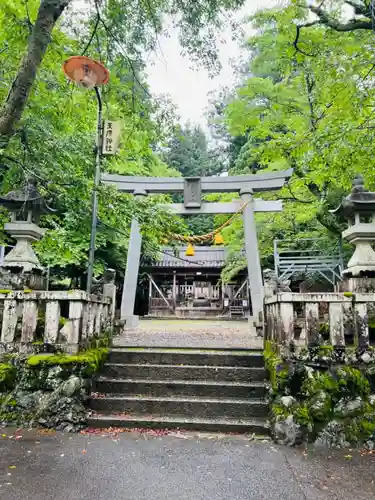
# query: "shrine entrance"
192,188
191,287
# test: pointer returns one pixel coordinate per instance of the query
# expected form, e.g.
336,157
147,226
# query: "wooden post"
29,320
51,328
336,324
9,324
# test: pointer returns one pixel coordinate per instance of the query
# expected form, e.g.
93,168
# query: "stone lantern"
359,210
26,205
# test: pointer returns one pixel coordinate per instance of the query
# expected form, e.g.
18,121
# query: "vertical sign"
192,192
111,137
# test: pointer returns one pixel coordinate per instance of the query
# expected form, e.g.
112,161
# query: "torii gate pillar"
252,255
131,273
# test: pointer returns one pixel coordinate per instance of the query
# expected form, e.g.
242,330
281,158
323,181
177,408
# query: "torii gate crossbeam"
244,185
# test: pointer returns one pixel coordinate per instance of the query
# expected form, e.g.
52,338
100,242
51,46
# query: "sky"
170,73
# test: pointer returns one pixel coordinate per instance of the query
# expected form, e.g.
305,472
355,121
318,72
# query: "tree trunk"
11,111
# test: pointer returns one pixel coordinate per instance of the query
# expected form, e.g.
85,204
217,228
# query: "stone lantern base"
21,268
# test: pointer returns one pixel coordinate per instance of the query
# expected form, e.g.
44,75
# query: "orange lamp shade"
86,72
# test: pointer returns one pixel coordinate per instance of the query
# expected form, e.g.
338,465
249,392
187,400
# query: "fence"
68,319
337,318
160,303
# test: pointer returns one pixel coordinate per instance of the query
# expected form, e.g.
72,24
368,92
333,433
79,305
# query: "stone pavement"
133,466
191,333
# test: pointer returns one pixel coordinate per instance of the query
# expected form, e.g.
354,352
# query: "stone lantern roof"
26,199
360,200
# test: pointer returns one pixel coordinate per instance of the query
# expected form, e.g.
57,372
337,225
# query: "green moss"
324,329
302,415
359,429
280,410
320,381
91,360
326,350
352,382
7,376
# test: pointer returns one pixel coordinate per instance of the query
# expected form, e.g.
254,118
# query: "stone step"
182,406
183,372
203,388
173,356
243,425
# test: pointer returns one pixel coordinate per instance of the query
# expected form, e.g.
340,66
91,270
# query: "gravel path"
190,333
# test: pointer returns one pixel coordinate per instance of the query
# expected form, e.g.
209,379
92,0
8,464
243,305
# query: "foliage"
55,143
307,107
54,137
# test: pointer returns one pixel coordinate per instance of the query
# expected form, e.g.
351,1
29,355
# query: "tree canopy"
47,126
306,105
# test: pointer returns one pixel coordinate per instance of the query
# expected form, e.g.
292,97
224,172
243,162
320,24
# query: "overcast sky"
170,73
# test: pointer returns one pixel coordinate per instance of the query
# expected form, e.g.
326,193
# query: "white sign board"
111,137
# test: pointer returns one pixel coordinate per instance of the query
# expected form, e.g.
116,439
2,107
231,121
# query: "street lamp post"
90,74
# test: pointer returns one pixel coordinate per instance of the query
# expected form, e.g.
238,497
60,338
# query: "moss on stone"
302,415
91,361
352,382
7,376
334,394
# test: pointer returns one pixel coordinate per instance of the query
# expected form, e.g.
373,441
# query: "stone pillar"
174,290
109,292
252,256
131,273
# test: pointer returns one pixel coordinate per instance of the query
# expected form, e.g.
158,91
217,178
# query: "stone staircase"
198,389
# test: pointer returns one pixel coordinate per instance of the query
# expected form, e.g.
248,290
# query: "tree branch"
92,35
352,25
11,111
298,33
359,10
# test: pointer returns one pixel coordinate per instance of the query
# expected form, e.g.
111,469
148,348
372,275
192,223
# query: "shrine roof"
204,257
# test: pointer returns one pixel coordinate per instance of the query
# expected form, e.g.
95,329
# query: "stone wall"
322,394
49,389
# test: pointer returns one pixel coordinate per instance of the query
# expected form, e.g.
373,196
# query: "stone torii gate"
192,188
